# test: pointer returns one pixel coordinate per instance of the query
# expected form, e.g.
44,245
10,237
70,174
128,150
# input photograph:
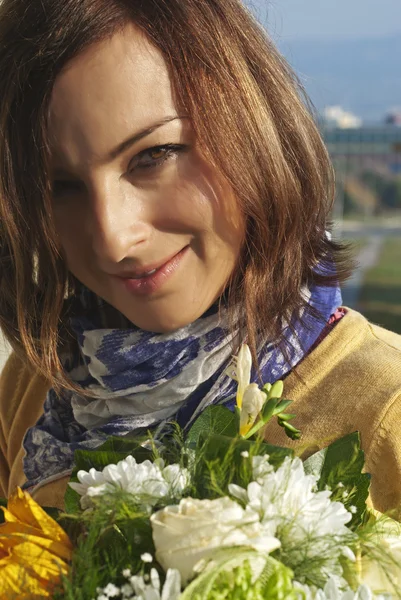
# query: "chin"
162,324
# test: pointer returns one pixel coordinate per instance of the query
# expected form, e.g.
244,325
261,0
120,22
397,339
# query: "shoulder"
21,389
359,352
352,382
22,395
355,372
375,341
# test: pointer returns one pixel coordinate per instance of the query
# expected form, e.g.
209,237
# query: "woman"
164,197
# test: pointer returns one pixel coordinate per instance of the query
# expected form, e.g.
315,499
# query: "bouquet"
208,514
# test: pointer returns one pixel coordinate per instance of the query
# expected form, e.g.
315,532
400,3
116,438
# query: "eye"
154,157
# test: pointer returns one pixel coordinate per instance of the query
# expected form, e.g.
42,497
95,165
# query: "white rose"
193,530
378,577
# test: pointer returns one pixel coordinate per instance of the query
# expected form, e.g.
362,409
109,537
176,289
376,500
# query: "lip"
147,285
135,273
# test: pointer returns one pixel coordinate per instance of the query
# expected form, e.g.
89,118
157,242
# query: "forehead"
115,87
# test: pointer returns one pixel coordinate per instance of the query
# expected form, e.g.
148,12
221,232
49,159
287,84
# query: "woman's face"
132,192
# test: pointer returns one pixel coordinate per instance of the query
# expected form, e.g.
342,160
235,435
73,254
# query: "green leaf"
99,458
287,416
221,463
217,446
72,498
281,406
214,420
277,581
342,473
268,409
292,432
258,425
274,581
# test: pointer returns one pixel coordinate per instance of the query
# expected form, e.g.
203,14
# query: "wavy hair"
250,116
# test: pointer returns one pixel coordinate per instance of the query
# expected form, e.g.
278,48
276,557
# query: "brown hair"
250,117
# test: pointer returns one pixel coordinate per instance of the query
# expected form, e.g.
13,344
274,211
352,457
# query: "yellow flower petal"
13,534
34,550
22,508
30,571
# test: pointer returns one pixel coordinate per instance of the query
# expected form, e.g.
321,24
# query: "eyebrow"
139,136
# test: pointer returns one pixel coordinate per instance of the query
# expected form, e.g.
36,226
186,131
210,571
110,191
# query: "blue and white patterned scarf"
144,380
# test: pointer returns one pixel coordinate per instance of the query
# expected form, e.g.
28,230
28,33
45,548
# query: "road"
366,259
369,254
359,229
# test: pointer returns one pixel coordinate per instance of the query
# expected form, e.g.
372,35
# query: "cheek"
207,203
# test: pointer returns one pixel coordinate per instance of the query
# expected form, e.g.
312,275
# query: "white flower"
250,399
240,370
332,591
111,590
127,591
89,479
252,403
147,481
348,553
261,467
177,478
380,574
146,557
193,530
144,591
306,522
139,589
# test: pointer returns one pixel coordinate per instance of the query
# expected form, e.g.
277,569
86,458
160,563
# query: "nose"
118,223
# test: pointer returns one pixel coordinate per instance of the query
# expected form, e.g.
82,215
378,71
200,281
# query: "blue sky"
288,19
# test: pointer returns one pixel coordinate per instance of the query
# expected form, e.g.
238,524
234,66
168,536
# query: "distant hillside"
364,75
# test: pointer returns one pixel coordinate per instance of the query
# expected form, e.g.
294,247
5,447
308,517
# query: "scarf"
144,380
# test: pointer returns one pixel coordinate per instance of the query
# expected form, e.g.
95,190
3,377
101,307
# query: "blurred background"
347,56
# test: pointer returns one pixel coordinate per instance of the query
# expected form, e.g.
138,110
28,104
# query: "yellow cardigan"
350,381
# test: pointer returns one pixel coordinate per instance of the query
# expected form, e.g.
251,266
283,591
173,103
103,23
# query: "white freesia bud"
193,530
240,370
252,403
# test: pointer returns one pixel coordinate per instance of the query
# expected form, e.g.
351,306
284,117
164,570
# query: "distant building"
393,117
366,145
367,162
336,116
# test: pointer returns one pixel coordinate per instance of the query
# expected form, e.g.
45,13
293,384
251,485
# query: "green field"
380,297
